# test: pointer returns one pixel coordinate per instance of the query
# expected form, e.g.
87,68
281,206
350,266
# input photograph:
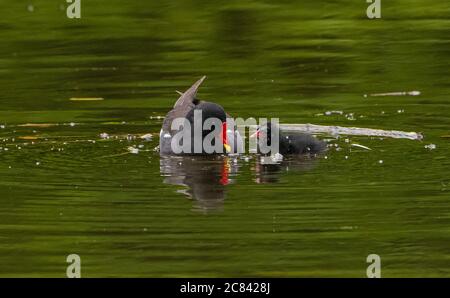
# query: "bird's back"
300,144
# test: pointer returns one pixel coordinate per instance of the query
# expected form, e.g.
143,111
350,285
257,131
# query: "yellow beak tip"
227,148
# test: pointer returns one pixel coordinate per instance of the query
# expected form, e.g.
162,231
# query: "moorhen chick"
291,143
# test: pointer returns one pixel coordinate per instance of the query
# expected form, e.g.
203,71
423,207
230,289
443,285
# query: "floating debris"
38,125
133,150
356,131
72,124
86,98
28,138
104,136
2,126
430,146
277,157
380,161
404,93
350,116
273,159
38,163
147,137
400,111
360,146
329,113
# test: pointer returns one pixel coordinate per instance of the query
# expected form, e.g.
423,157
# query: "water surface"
127,212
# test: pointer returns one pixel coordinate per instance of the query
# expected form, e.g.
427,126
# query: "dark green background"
287,59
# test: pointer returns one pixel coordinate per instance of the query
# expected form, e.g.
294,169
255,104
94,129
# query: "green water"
65,190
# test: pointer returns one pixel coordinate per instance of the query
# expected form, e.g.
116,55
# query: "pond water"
77,176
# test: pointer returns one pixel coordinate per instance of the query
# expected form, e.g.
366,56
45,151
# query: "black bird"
290,143
184,108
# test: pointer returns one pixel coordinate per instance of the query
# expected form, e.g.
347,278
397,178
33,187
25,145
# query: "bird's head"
211,110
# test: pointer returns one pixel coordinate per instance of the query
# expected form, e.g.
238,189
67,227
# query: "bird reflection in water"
270,172
205,178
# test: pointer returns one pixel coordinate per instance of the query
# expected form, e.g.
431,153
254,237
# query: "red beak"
257,134
224,133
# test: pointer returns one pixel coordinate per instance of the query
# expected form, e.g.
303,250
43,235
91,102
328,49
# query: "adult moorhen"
185,107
